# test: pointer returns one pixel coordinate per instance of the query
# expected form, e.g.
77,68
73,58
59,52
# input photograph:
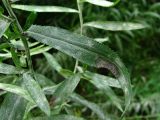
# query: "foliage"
55,62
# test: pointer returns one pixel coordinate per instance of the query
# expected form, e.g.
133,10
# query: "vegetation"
79,60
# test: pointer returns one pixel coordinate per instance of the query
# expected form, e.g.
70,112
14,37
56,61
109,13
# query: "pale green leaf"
9,69
17,90
103,83
66,88
13,107
35,8
52,62
114,26
85,50
36,93
94,107
102,3
59,117
4,24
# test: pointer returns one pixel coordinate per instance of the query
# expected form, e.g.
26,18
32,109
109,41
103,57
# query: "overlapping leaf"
85,50
17,90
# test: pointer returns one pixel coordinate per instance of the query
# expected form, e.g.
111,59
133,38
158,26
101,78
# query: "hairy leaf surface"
85,50
36,93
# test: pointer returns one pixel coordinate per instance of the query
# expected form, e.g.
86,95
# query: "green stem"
25,43
81,27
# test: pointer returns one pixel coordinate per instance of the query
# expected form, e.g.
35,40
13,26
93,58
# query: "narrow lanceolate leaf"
59,117
4,24
94,107
36,93
17,90
66,88
102,3
9,69
52,62
114,26
35,8
85,50
13,107
101,83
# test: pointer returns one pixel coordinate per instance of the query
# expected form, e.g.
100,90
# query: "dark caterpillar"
108,65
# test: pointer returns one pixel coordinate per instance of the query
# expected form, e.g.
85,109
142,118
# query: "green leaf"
30,20
59,117
4,24
114,26
155,6
17,90
36,93
85,50
101,82
94,107
15,58
53,62
13,107
34,8
107,81
9,69
102,3
66,88
43,81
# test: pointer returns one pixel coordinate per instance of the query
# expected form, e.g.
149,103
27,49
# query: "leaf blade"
114,26
34,8
85,50
36,93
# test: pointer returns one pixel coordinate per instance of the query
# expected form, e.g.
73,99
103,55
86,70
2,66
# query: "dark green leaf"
85,50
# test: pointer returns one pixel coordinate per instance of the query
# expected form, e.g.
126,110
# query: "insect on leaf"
85,50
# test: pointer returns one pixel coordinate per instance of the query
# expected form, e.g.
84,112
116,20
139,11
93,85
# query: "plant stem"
79,5
25,43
